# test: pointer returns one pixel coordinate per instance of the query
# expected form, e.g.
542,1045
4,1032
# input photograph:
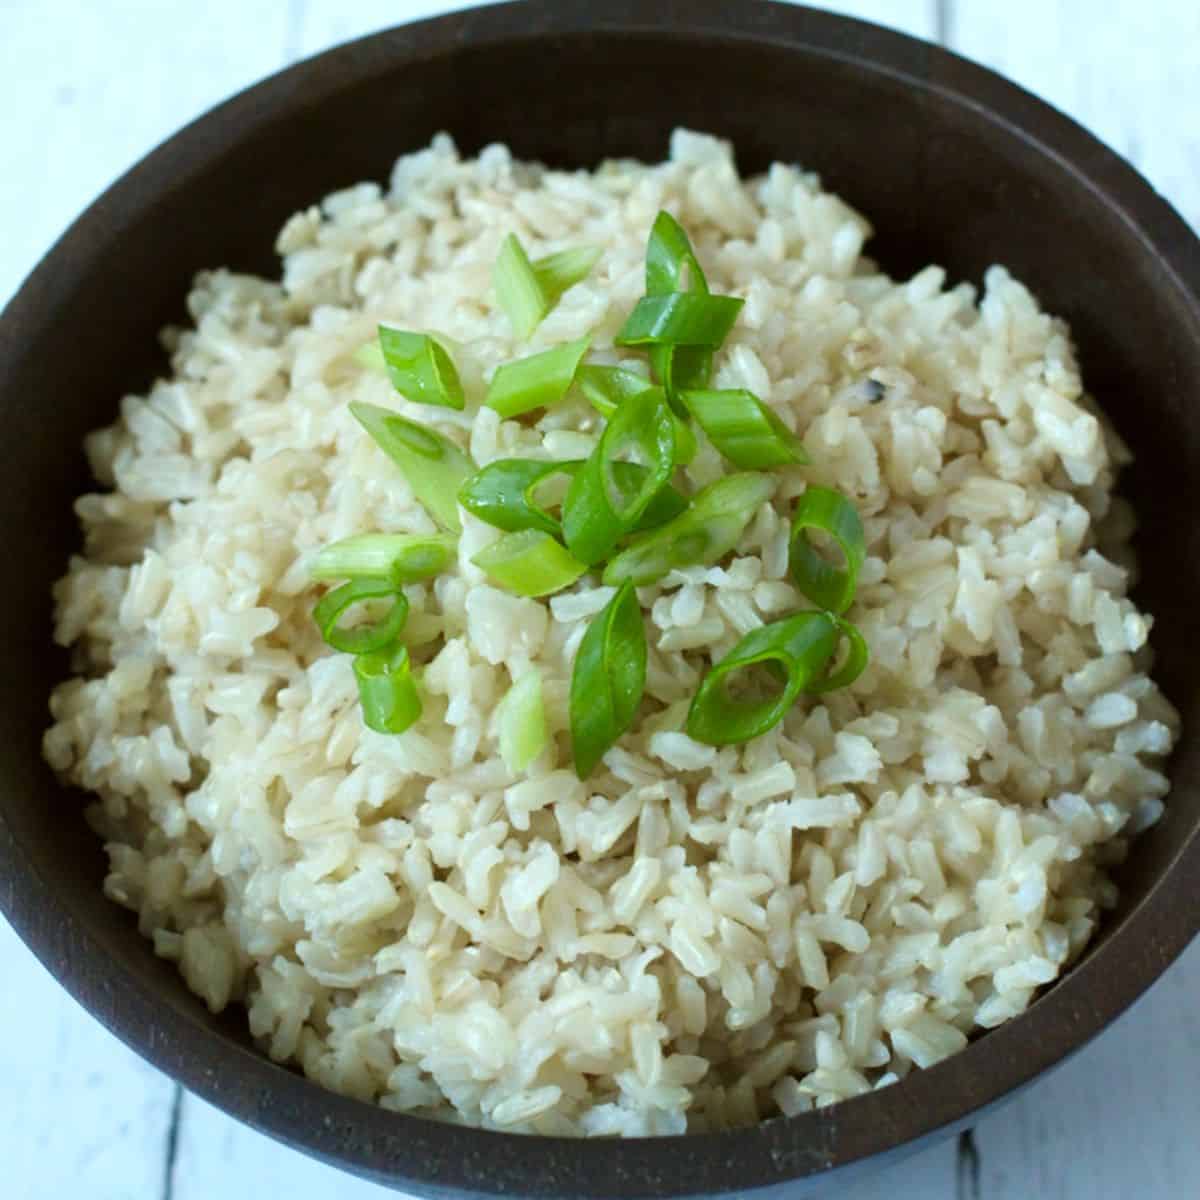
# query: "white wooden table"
85,89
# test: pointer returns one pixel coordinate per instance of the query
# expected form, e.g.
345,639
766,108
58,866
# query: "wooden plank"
1117,1121
1126,69
86,90
1120,1119
83,1115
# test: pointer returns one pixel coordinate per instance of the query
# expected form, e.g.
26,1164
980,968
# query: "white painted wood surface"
86,89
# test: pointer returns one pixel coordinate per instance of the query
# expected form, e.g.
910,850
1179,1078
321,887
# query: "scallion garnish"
857,657
681,367
539,381
824,510
386,690
798,647
504,493
370,357
420,368
672,266
521,722
669,255
620,496
433,465
608,679
680,319
397,557
607,388
703,533
361,639
526,290
558,272
744,429
530,563
604,503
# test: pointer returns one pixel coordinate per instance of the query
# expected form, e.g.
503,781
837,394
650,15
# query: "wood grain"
84,90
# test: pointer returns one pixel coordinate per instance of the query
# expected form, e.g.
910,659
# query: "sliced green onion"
369,356
398,557
361,639
607,388
386,690
681,367
829,586
704,533
666,505
799,646
744,429
604,503
530,563
680,319
668,253
420,369
857,657
608,679
526,290
433,465
558,272
502,493
538,381
517,288
521,722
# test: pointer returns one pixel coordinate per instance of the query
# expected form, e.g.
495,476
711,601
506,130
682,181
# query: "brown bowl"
952,164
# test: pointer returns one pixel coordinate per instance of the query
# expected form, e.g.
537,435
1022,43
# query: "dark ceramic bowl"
952,164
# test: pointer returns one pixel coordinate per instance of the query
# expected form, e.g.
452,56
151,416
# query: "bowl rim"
414,1152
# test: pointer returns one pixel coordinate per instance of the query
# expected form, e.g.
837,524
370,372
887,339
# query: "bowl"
952,164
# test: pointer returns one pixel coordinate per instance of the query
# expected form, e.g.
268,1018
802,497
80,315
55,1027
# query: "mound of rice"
693,938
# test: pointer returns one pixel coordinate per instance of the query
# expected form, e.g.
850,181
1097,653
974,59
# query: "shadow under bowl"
951,163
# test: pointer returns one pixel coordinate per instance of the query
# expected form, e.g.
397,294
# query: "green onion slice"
607,388
855,662
517,288
668,254
433,465
538,381
369,356
361,639
386,690
503,493
704,533
744,429
526,290
530,563
680,368
420,368
798,648
604,502
680,319
397,557
830,586
521,722
608,679
558,272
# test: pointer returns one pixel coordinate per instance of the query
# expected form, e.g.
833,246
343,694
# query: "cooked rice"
693,938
